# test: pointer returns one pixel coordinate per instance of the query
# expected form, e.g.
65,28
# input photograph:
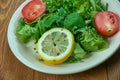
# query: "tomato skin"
33,10
38,1
107,23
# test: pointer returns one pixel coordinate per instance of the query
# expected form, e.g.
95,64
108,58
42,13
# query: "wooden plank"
10,67
98,73
113,66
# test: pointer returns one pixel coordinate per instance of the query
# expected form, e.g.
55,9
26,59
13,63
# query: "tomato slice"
107,23
33,10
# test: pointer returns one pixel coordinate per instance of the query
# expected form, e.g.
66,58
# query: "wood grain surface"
12,69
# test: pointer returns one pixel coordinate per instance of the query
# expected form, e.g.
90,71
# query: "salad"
87,20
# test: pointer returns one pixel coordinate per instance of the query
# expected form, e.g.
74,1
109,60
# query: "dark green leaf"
73,19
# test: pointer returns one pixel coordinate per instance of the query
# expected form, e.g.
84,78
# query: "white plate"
26,56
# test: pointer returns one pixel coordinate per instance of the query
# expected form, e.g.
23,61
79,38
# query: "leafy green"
73,19
77,54
82,9
61,15
78,51
91,41
49,20
27,31
21,24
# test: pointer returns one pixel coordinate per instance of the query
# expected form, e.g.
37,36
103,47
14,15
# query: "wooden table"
12,69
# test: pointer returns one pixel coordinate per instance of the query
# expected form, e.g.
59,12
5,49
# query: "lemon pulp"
55,45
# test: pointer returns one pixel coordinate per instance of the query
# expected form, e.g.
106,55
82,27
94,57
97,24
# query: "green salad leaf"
49,20
91,41
73,19
26,31
77,54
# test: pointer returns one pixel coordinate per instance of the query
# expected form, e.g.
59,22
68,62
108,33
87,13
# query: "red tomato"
33,10
107,23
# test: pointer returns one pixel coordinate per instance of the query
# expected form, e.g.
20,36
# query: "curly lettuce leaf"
26,31
91,41
77,55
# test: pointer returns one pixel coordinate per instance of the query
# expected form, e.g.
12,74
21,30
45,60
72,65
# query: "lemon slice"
55,45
